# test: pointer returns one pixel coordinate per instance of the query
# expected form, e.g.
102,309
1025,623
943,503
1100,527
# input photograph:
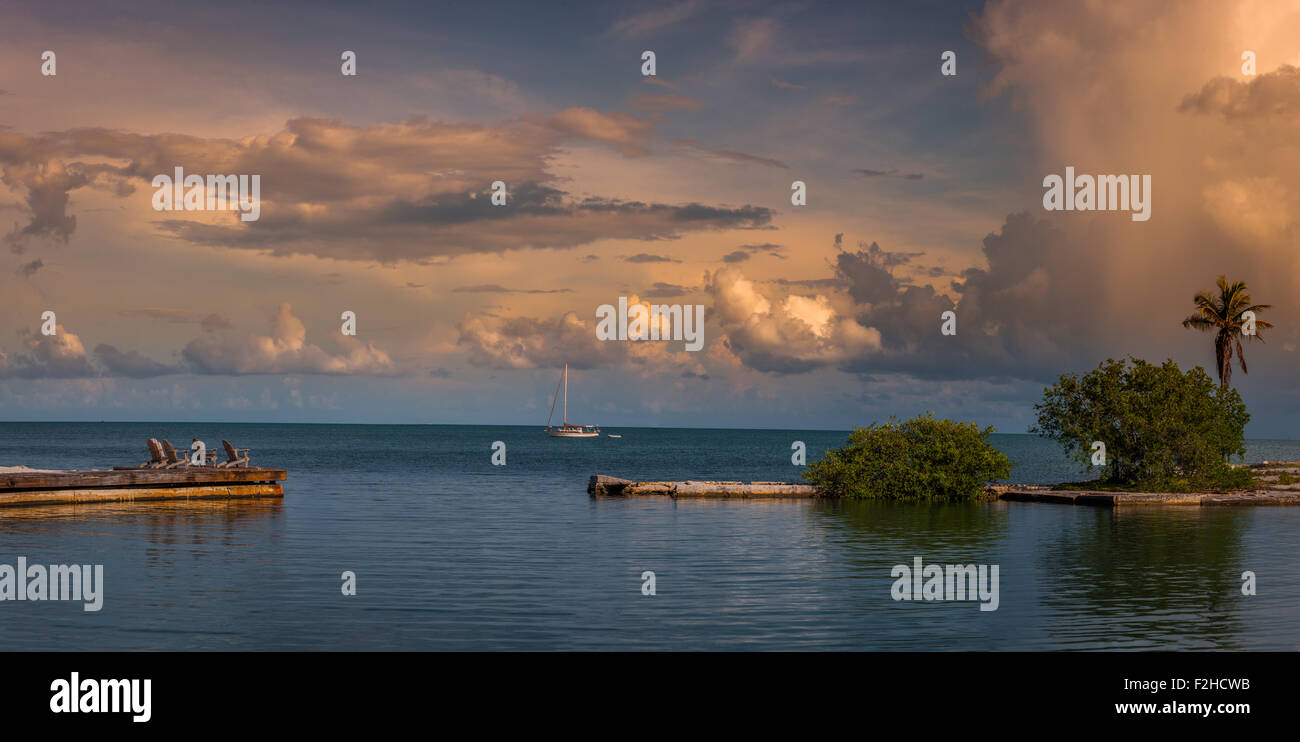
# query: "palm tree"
1222,314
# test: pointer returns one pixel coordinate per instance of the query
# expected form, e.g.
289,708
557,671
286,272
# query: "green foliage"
917,459
1164,430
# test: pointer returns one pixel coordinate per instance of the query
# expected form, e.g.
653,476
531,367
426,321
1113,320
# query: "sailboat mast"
566,395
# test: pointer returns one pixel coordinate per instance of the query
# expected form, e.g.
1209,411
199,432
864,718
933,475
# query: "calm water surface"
453,553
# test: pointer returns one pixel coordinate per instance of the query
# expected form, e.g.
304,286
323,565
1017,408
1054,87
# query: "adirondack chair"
234,456
209,456
156,460
173,459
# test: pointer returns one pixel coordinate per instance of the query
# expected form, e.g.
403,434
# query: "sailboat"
566,430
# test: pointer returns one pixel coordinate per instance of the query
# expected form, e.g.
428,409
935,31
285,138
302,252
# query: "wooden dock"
42,487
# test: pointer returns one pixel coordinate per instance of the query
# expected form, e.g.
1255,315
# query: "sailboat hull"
561,433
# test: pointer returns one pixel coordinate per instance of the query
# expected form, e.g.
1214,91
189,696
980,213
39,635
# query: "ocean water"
453,553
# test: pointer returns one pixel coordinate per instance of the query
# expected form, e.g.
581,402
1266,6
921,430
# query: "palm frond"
1200,323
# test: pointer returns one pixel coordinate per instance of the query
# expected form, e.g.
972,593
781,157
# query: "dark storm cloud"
1033,310
1024,315
408,191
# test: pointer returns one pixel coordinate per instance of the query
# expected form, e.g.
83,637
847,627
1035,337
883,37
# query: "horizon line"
469,425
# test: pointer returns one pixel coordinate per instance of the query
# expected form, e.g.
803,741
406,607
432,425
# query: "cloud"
1030,313
492,288
217,351
175,316
888,174
47,186
663,102
743,157
699,150
1018,317
643,257
388,192
528,342
214,322
657,19
661,290
660,82
1221,154
784,334
58,356
746,251
132,363
752,38
27,270
284,351
762,42
525,342
210,322
625,132
1266,96
810,283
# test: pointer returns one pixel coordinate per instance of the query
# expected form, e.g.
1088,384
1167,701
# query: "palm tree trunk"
1223,357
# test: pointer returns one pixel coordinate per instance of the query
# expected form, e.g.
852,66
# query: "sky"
924,194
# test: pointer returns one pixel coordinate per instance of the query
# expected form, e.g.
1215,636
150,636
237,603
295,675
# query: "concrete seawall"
605,486
1278,484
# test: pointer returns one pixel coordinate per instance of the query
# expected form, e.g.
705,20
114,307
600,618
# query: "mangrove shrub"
1162,429
918,459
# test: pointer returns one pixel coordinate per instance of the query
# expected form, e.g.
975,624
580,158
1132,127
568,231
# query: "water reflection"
1145,578
163,519
946,530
